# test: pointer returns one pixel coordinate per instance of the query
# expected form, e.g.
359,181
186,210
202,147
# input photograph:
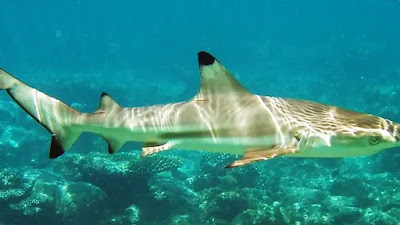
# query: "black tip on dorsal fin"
216,79
103,94
55,148
106,103
205,58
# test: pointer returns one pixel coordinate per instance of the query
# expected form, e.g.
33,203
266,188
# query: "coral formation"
34,196
183,188
130,215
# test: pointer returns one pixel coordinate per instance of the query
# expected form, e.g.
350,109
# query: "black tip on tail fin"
55,148
54,115
205,58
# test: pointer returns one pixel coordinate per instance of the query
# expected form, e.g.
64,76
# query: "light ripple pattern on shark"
223,117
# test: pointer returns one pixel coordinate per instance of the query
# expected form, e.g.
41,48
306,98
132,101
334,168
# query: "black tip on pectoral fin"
205,58
229,166
55,148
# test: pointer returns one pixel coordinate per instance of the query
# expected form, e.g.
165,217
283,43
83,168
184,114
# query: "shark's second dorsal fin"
215,79
106,103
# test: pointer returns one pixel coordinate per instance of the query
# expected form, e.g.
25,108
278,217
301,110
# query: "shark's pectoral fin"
154,147
259,155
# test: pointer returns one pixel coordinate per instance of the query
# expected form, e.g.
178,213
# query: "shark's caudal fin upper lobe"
51,113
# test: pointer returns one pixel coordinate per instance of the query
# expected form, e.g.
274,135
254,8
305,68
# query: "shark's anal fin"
113,145
154,147
259,155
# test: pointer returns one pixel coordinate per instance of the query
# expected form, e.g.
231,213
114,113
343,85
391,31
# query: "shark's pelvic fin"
259,155
51,113
106,104
216,80
151,148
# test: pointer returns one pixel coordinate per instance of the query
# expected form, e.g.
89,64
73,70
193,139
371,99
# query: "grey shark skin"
223,117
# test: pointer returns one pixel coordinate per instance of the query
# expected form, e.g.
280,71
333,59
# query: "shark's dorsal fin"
216,80
106,103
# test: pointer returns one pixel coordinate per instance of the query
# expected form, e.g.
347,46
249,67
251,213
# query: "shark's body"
223,117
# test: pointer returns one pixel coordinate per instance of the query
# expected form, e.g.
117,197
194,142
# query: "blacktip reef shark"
223,117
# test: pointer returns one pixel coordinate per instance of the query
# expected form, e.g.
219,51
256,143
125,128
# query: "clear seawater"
344,53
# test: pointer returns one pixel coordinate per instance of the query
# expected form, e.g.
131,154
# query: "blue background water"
344,53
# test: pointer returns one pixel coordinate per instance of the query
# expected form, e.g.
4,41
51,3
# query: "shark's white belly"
232,145
236,145
320,149
332,152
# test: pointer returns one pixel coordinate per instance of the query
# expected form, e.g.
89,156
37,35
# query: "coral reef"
127,178
130,215
34,196
16,140
124,169
183,188
124,189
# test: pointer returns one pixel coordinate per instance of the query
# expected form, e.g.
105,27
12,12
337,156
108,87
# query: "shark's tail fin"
54,115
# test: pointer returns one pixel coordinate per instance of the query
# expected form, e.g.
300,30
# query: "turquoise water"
344,53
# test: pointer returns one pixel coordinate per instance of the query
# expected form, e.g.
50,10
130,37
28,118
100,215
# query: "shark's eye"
374,140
